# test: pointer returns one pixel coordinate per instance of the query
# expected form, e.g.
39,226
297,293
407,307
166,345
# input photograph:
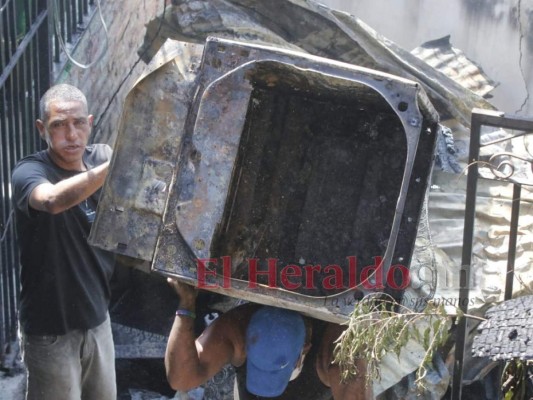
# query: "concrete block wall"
107,82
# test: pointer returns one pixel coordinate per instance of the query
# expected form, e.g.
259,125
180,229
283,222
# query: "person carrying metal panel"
269,347
64,322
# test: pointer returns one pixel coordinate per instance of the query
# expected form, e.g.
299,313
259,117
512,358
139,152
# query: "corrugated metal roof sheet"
441,55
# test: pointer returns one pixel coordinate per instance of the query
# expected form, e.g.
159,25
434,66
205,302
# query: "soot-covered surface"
317,182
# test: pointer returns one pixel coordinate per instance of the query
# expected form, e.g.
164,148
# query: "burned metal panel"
249,151
299,158
134,196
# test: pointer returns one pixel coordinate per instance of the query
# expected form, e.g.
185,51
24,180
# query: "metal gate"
29,48
508,166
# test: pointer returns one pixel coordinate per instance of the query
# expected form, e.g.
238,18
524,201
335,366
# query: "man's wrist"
187,305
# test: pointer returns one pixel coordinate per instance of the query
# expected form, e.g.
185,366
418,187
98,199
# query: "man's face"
66,130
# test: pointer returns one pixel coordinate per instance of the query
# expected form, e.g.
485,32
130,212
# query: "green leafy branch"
379,325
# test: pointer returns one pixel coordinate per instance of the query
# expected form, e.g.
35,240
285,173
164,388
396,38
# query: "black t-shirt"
65,282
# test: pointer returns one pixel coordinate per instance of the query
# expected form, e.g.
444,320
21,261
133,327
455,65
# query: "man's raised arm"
68,192
189,362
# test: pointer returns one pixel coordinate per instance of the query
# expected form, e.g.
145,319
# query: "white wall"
492,33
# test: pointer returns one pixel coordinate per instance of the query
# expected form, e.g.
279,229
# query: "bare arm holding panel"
189,362
69,192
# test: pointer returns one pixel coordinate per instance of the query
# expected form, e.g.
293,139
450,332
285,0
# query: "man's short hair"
274,341
62,92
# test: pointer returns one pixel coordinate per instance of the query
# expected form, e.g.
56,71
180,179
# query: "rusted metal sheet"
145,154
309,168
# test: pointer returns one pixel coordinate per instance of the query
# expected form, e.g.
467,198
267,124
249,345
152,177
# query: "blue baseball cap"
274,341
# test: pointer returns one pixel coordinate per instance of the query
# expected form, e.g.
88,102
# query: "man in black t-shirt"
65,329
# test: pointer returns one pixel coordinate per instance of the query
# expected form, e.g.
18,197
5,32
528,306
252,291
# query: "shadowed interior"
316,181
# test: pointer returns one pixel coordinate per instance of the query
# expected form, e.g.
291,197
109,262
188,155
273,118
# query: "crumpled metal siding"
320,31
452,62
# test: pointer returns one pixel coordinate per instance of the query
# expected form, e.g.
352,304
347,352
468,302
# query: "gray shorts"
78,365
